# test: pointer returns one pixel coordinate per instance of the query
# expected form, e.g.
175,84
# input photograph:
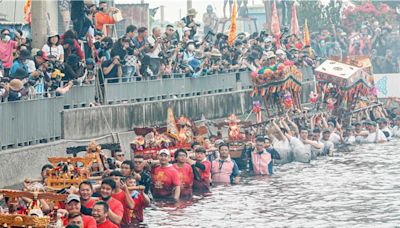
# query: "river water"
354,189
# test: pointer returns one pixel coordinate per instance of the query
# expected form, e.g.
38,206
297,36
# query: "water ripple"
356,189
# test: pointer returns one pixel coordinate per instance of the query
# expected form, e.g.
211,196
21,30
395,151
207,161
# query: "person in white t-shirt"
281,144
396,127
154,50
326,139
348,137
374,134
53,48
315,136
383,126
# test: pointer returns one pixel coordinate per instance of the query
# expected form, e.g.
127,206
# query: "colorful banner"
294,24
275,25
387,85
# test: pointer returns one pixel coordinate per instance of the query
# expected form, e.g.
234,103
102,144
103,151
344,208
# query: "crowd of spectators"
89,54
373,39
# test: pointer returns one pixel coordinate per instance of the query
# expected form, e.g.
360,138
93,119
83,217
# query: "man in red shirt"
73,206
100,214
116,210
185,173
141,200
86,192
166,183
201,183
75,219
122,194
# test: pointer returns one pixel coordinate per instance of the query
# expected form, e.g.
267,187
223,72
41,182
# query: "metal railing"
79,96
29,122
174,87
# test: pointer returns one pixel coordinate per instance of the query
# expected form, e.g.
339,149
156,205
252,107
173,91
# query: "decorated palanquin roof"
337,69
341,74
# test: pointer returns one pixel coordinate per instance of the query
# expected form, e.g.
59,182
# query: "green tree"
320,16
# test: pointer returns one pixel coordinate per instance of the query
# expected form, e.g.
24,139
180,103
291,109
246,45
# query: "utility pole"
189,4
39,23
44,21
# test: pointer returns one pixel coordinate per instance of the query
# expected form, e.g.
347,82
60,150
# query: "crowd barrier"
30,122
174,87
79,96
25,123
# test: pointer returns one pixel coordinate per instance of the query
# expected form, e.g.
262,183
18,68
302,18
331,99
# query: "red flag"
294,24
275,25
27,12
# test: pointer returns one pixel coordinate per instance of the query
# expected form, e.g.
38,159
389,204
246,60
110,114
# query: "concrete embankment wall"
80,126
104,120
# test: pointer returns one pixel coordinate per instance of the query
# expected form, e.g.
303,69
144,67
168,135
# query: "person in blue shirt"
20,62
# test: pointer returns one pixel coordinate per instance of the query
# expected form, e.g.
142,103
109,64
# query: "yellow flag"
232,32
307,40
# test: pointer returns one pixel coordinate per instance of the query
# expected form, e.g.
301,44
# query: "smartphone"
123,180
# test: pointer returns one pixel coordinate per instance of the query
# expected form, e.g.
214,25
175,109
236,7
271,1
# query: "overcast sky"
172,7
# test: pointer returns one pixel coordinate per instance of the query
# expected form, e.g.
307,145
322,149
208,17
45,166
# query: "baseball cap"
164,151
72,197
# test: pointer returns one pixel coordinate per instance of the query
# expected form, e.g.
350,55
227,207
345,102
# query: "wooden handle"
140,188
32,180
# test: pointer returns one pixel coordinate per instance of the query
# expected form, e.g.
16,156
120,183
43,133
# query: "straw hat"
16,85
192,12
215,53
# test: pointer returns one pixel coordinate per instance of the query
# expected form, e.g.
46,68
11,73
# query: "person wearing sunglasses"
141,174
119,157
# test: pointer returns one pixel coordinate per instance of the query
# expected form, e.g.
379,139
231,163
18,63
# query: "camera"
111,163
103,45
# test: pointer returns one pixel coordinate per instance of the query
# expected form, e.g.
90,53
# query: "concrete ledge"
104,120
26,162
